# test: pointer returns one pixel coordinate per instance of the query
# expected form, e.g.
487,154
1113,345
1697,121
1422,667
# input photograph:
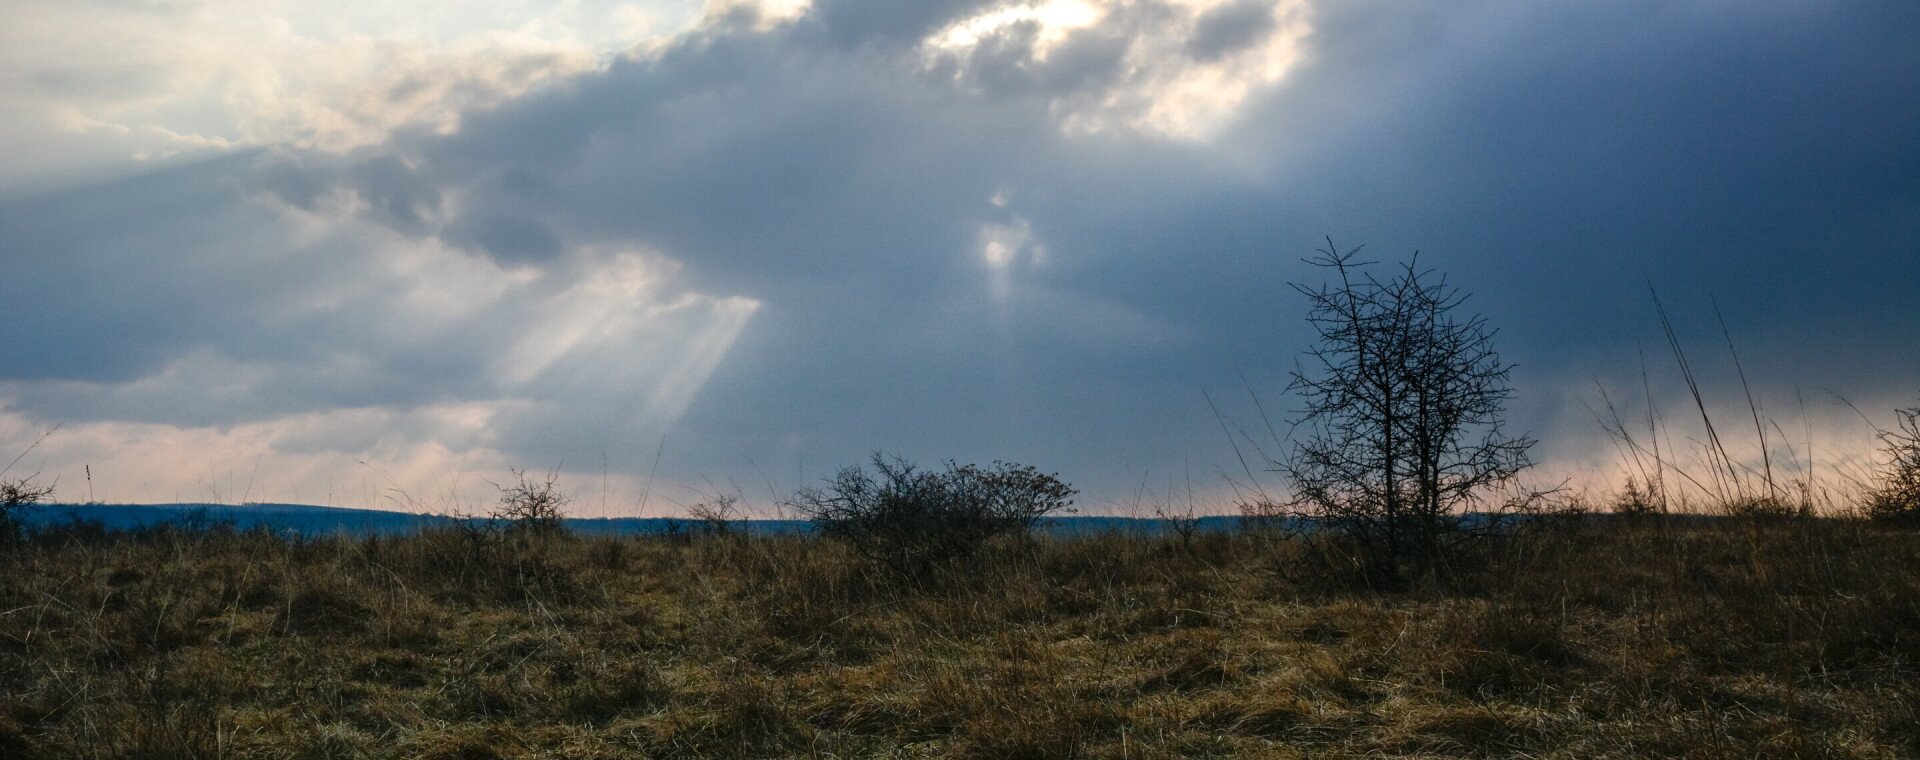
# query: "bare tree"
1403,403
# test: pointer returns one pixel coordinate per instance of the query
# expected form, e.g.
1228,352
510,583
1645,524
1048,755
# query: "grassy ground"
1609,638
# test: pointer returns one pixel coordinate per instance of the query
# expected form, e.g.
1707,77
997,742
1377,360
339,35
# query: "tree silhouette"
1403,404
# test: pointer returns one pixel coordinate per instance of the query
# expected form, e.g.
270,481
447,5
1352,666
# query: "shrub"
1897,499
911,519
717,515
511,551
14,494
1638,500
531,505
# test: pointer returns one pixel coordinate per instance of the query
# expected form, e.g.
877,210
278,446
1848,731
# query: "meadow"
1580,636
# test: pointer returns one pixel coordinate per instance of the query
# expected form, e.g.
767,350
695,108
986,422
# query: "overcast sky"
284,250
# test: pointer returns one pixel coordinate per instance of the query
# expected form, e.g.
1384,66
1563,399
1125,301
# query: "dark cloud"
1230,28
1758,157
506,236
860,23
110,282
394,193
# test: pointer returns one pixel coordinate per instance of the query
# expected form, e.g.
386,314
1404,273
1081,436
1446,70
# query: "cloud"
1036,231
101,88
1179,69
228,308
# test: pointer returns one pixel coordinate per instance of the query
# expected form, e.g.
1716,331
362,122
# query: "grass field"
1585,638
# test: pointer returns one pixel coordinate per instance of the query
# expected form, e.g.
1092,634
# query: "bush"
16,493
531,505
1638,500
911,520
717,515
1897,499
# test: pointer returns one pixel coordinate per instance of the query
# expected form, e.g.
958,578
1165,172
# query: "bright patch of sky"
88,87
1185,68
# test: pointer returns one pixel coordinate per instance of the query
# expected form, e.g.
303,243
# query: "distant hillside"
298,518
310,520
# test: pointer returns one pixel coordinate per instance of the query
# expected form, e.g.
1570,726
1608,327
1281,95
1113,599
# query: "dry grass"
1718,638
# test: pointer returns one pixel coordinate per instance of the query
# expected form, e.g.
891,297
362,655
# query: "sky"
377,254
